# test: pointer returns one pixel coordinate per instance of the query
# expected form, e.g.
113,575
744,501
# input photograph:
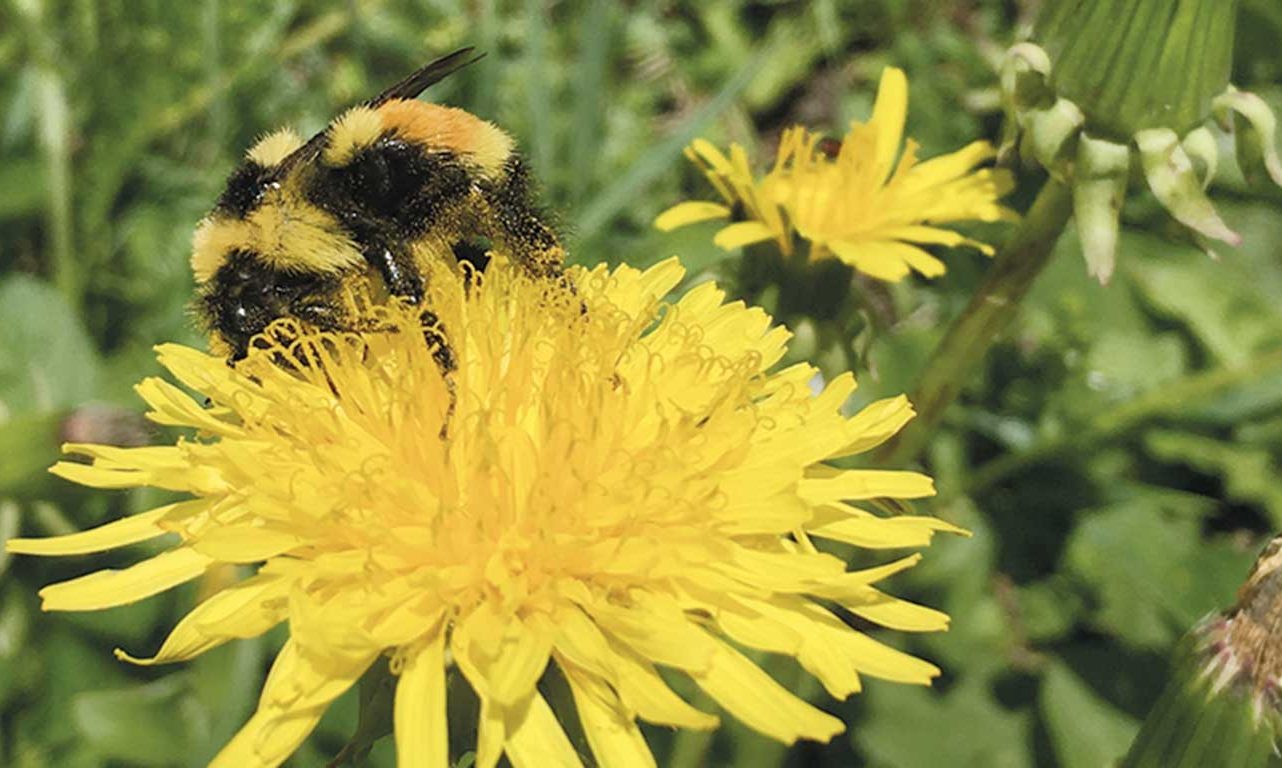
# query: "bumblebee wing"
418,81
412,85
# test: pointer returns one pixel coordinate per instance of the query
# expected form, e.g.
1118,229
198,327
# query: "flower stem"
991,309
690,748
1122,418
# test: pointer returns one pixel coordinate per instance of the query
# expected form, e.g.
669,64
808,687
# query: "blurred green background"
1117,457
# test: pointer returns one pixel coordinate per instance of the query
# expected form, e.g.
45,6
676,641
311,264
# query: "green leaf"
1141,560
1049,609
1250,472
65,664
1129,362
1085,730
15,654
693,244
132,625
47,360
965,727
1229,305
226,682
659,158
595,37
30,443
140,725
376,693
23,187
960,570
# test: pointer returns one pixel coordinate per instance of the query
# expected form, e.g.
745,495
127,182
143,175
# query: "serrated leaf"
1137,557
1085,730
911,727
1250,472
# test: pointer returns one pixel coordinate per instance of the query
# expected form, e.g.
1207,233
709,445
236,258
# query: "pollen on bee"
354,130
274,147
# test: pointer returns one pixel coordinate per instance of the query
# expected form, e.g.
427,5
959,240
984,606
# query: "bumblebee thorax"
284,230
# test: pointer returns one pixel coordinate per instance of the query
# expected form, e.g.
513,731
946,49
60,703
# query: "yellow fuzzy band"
354,130
274,147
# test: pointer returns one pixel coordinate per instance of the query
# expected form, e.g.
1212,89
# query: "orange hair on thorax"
449,128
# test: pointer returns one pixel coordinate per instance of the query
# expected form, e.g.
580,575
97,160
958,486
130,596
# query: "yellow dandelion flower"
871,203
607,482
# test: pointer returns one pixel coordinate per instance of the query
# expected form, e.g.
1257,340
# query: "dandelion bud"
1118,89
1221,706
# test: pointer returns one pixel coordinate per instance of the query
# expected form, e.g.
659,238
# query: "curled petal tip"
1025,76
1257,139
1174,181
1051,133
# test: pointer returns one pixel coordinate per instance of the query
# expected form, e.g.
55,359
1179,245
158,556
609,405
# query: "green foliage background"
1117,457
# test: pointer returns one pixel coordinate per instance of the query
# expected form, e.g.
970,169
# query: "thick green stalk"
990,311
690,748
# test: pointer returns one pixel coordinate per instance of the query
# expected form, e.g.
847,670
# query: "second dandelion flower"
868,200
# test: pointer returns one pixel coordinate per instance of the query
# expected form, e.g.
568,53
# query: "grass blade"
661,156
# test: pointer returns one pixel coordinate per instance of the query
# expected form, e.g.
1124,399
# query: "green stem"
690,749
990,310
1124,417
53,116
55,131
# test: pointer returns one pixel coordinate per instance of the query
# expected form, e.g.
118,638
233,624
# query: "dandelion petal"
538,741
106,589
690,212
755,698
420,714
118,533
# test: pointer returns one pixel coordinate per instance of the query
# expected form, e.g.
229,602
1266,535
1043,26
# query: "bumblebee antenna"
410,87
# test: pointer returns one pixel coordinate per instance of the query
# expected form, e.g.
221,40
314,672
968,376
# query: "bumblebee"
388,189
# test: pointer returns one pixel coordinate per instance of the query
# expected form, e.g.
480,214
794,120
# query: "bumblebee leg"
398,271
441,352
324,316
472,255
404,280
444,357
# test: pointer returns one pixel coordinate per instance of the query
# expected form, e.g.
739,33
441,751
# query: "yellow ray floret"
608,481
870,203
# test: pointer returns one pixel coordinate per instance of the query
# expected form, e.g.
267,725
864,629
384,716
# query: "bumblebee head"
246,295
264,249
